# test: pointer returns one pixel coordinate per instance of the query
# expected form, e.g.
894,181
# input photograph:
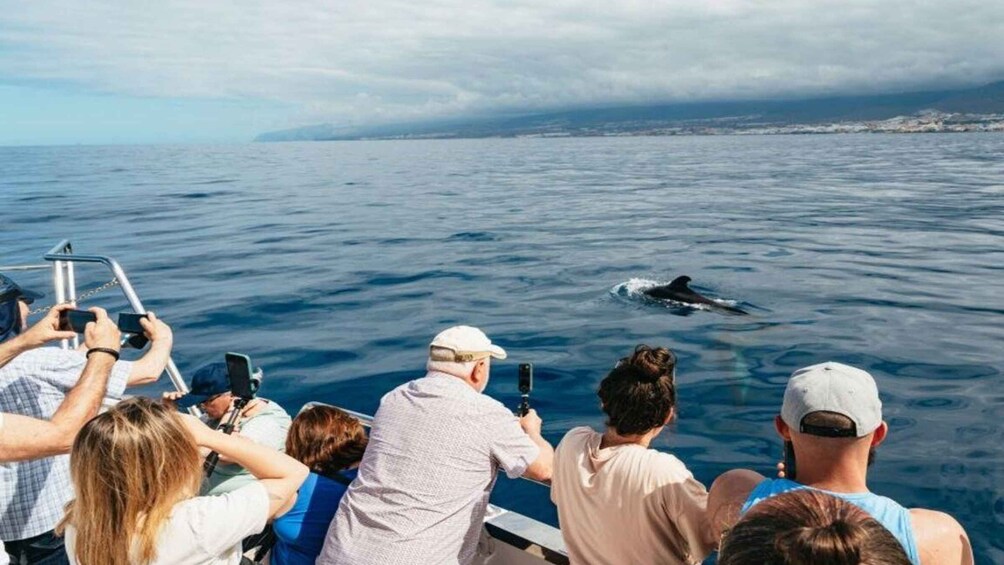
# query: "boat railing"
63,262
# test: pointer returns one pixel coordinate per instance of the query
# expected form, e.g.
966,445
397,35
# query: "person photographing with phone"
35,383
831,425
24,438
136,472
434,452
258,419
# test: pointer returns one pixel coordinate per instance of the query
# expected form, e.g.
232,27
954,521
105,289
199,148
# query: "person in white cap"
434,451
831,423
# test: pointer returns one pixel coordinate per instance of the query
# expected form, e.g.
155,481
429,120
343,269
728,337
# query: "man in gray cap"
831,423
434,451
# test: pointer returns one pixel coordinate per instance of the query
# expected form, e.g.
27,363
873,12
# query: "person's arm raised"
28,438
280,474
44,331
148,368
542,468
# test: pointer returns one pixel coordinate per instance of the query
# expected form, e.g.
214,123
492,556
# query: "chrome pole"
71,288
60,290
58,256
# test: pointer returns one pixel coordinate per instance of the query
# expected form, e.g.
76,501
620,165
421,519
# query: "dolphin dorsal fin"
680,283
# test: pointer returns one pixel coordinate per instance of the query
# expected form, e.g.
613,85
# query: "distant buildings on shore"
930,121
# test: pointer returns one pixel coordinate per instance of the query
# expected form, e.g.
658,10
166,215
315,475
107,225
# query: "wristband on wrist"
107,350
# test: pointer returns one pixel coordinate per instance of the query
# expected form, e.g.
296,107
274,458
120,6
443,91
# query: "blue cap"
10,320
10,290
207,382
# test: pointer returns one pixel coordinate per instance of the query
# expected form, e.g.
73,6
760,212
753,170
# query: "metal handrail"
38,267
64,281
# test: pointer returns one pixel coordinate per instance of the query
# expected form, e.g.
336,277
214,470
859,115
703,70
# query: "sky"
139,71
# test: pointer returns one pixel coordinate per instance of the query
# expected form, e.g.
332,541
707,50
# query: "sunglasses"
211,399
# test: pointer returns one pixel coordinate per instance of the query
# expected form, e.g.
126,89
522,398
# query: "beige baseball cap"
832,387
461,344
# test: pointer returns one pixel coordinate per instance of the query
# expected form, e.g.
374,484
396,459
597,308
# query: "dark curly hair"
326,440
640,391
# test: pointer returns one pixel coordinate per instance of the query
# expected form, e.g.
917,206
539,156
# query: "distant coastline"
971,110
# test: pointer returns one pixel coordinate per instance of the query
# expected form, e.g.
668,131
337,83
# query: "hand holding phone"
48,328
129,323
75,320
102,332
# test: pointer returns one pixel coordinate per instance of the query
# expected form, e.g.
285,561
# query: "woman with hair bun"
809,527
619,501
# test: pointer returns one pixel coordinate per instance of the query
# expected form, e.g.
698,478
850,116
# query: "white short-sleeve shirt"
434,452
205,530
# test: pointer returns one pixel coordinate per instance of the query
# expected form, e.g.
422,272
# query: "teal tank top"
886,511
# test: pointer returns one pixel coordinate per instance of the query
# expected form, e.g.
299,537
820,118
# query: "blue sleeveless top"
886,511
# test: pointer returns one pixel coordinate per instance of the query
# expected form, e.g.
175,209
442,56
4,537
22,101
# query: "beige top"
627,504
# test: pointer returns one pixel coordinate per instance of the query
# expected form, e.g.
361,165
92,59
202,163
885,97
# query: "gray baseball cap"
832,387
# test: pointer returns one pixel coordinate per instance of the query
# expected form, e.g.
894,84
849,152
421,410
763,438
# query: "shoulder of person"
273,409
489,406
727,495
940,537
667,463
575,436
737,482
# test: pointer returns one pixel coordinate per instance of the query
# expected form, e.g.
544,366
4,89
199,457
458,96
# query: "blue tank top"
886,511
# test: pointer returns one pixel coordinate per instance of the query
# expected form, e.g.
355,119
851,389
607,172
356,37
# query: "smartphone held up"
128,323
525,387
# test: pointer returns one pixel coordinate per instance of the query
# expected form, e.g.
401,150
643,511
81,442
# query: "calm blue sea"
333,265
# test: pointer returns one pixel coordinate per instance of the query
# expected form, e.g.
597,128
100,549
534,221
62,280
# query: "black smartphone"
789,461
525,378
129,323
525,386
239,373
75,320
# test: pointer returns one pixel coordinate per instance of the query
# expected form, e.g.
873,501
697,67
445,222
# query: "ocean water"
333,265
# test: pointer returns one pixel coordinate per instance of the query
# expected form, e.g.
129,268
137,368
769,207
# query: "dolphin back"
680,283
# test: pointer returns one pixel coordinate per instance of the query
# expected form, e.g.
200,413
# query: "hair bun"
652,364
837,543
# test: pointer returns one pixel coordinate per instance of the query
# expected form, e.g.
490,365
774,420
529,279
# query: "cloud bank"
359,62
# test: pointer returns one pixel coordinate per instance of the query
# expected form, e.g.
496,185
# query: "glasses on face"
210,400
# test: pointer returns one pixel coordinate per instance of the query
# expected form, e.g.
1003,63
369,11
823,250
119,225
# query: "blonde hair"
129,467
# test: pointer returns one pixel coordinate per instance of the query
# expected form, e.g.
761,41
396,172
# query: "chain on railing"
83,296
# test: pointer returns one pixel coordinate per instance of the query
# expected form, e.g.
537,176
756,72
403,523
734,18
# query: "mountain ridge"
677,118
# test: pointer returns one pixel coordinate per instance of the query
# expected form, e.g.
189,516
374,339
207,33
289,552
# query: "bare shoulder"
727,495
941,540
736,482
